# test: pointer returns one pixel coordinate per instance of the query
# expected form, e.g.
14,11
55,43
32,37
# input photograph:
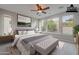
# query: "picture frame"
23,21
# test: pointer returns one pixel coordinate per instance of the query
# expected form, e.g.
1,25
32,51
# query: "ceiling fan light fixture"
39,11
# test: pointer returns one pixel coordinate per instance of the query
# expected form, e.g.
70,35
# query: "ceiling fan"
40,9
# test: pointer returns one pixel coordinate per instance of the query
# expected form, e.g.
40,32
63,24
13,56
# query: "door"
67,27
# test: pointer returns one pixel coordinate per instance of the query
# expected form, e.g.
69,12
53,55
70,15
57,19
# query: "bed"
29,44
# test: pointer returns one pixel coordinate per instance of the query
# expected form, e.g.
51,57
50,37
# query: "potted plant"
76,30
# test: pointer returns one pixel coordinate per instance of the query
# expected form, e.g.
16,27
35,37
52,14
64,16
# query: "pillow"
22,32
31,32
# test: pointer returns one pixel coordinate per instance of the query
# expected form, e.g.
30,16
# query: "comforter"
27,44
24,43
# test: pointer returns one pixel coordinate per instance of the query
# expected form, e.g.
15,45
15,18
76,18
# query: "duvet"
27,44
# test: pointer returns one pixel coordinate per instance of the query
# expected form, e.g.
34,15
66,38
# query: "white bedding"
29,48
22,49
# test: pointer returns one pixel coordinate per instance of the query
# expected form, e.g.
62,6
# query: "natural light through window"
68,23
7,25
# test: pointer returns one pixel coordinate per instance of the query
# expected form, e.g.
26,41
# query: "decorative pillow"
31,32
22,32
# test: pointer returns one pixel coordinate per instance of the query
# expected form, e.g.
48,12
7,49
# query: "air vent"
71,8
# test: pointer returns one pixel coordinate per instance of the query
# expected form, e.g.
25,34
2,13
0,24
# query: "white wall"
13,22
76,18
0,25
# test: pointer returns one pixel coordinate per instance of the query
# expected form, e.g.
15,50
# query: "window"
62,25
50,25
7,25
42,25
53,25
68,23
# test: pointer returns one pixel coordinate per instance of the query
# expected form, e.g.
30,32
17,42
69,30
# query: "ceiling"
25,9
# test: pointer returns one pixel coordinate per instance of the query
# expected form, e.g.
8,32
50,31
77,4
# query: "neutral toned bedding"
27,44
19,44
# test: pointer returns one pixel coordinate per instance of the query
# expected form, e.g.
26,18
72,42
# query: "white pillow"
31,32
22,32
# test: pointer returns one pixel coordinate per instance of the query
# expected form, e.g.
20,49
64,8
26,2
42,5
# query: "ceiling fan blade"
46,8
39,7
